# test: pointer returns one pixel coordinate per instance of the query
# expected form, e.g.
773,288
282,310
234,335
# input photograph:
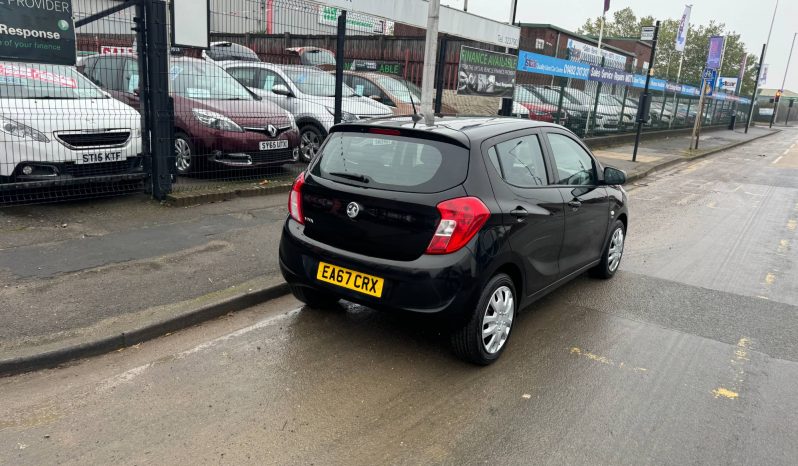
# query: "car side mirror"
137,92
613,176
281,89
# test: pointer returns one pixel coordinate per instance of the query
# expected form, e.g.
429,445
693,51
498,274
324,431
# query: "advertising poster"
486,73
715,52
37,32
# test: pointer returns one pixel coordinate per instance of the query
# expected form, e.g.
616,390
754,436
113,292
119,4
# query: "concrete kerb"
239,302
49,359
688,158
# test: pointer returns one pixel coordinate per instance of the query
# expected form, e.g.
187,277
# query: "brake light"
387,132
295,199
461,219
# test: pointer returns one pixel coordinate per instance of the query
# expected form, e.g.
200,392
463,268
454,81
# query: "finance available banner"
37,31
486,73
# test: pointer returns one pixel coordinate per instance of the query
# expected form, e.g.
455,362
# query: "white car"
308,93
55,125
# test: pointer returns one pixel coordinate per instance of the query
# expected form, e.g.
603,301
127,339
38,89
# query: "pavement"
117,271
688,356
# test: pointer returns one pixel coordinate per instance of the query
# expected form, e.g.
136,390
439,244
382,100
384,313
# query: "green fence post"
623,107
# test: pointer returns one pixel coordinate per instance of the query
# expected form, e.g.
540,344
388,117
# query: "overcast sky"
751,19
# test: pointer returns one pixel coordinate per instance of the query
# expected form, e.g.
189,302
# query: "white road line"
777,160
786,152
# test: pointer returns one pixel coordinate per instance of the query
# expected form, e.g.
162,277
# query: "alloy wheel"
498,320
310,145
182,155
616,250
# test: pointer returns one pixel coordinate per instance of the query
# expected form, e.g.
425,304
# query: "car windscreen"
317,57
200,80
399,90
522,94
314,82
39,81
393,163
228,51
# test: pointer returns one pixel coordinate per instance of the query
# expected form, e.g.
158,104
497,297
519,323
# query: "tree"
625,24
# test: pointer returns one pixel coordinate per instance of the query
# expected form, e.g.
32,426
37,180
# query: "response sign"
38,31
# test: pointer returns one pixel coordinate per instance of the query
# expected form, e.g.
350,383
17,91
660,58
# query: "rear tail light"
295,199
387,132
461,219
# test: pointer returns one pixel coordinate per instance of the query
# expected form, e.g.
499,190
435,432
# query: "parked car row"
55,125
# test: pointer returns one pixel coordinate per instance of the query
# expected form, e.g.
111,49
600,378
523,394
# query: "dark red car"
538,109
217,120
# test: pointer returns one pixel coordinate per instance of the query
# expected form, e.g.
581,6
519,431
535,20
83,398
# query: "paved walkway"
654,154
74,272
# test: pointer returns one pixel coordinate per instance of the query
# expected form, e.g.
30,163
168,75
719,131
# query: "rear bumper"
443,284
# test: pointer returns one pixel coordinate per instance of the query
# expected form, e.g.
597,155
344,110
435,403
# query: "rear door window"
394,163
520,161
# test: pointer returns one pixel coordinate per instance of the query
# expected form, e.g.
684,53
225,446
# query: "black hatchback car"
469,219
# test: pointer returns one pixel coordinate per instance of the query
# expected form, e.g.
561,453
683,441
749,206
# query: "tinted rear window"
394,163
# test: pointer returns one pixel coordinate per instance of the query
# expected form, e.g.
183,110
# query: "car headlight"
17,129
345,116
216,120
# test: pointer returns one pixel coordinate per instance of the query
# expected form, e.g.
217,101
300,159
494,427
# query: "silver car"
309,94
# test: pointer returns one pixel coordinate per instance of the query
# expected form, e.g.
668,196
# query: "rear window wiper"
352,176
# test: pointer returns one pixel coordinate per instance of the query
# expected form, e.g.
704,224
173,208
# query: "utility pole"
645,101
777,104
756,86
761,61
430,54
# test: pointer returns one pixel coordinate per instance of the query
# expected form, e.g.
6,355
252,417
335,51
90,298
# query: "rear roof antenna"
416,117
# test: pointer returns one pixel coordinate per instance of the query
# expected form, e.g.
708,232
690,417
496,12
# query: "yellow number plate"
360,282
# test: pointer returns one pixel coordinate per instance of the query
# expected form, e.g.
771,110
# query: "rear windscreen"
395,163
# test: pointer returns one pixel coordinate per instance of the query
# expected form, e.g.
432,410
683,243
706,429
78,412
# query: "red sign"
13,71
114,50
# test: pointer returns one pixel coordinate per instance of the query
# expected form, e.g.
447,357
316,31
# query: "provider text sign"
484,72
39,31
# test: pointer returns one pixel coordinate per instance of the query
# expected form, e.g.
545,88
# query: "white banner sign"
586,53
763,77
452,21
684,26
356,22
727,84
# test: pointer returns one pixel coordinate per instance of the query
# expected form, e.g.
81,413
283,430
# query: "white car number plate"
272,145
101,157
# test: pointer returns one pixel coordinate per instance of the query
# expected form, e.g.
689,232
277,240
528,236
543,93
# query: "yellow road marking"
792,224
712,205
604,360
784,245
723,392
770,278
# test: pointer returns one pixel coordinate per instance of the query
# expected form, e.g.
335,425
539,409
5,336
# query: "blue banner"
610,76
544,64
550,66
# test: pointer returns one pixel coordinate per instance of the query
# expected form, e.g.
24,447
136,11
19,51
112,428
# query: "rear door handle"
519,213
575,204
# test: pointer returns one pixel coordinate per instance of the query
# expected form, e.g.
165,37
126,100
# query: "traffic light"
778,94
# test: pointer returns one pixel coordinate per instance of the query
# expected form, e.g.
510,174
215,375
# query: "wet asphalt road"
687,356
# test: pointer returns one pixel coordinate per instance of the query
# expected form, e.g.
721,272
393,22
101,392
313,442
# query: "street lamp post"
783,82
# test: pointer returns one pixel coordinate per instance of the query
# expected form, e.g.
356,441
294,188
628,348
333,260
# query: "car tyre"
186,158
612,254
313,297
311,138
492,318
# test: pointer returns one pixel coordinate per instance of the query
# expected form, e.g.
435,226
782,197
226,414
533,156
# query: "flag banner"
715,54
684,26
606,5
